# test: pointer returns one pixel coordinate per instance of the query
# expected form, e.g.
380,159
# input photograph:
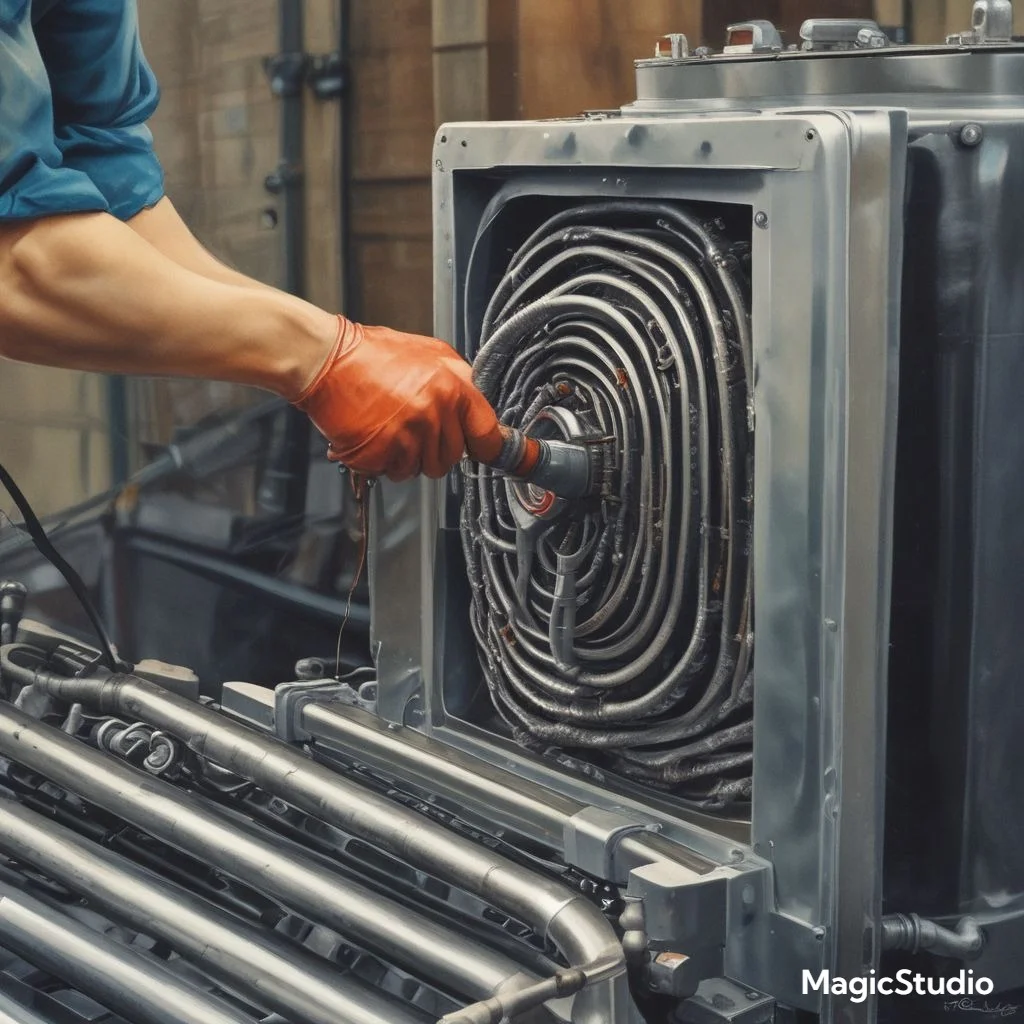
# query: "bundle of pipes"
250,961
622,625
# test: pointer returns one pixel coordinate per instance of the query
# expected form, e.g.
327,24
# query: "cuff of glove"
347,337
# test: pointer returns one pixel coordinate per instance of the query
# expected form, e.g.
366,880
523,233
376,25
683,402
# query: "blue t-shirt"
75,95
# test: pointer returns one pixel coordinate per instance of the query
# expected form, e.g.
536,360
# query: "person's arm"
161,225
84,291
103,93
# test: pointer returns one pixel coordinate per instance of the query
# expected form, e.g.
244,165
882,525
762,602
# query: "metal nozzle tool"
560,467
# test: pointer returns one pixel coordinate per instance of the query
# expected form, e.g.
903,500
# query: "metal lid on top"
844,61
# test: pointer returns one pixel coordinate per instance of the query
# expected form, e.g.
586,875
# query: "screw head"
761,219
971,135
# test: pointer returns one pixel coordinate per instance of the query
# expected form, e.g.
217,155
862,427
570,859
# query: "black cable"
198,455
50,553
623,627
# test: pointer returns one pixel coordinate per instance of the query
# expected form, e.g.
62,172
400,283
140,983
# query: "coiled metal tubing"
622,626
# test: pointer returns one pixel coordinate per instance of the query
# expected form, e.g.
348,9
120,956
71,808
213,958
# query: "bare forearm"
164,229
87,292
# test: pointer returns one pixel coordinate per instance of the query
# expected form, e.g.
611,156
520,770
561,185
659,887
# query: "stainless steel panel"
916,78
825,268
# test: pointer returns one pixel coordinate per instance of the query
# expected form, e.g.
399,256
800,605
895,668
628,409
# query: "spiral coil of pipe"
620,627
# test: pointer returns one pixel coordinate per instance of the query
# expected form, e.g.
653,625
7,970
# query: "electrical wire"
359,490
198,455
622,628
50,553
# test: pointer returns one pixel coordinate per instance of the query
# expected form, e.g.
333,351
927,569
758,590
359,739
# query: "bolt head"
971,135
761,219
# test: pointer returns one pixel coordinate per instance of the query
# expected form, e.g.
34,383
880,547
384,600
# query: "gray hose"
121,979
435,953
576,927
257,964
632,316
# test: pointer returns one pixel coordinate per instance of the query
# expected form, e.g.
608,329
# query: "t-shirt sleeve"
34,182
104,92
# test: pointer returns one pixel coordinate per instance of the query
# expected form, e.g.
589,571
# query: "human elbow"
28,266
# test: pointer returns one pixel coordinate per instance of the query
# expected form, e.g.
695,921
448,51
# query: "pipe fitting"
13,596
913,934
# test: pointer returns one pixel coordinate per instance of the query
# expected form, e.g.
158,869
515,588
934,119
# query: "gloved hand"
397,405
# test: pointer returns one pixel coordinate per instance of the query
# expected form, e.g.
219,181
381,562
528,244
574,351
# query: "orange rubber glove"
397,405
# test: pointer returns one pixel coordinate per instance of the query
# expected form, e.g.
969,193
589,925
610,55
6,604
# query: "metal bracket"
287,73
720,1001
251,703
327,75
685,923
674,46
826,34
592,836
358,689
991,22
683,911
753,37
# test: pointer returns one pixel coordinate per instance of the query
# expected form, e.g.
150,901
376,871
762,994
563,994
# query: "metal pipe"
349,290
256,964
461,778
576,927
140,989
292,174
433,952
282,489
488,791
509,1007
917,934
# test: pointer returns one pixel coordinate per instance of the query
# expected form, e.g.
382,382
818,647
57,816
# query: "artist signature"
970,1006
